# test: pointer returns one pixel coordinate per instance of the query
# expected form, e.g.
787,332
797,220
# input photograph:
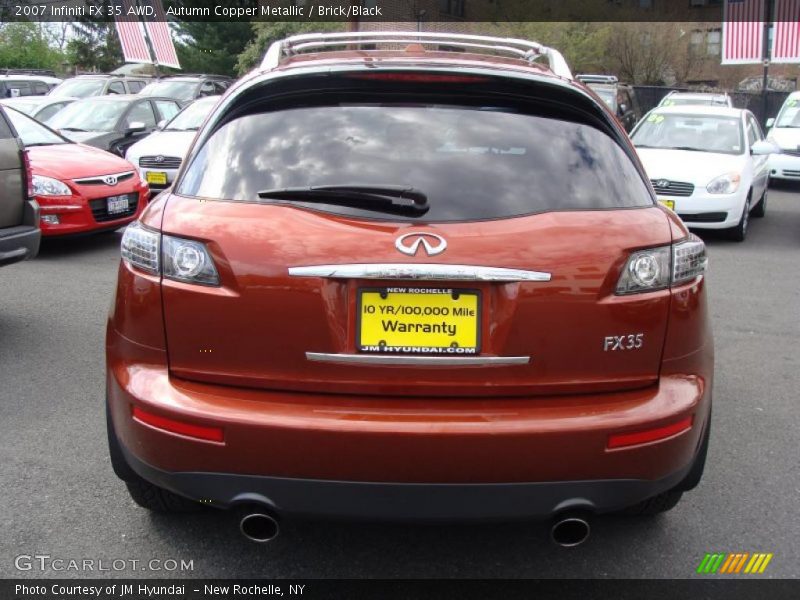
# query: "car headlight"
47,186
724,184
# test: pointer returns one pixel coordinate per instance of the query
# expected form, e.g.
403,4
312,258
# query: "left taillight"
173,257
659,268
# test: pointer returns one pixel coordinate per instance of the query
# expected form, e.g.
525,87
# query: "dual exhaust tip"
567,531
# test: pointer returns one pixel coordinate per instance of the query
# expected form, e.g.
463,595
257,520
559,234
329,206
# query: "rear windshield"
472,162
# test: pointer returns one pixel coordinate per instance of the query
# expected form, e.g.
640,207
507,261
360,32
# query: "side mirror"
763,148
770,122
135,127
161,124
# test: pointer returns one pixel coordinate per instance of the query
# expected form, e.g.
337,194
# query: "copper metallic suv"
410,283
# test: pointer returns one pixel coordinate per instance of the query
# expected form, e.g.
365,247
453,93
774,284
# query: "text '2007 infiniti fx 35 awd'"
410,284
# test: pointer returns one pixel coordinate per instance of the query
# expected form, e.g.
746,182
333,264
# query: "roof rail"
522,49
589,78
44,72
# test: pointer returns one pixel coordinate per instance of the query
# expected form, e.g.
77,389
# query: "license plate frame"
414,296
156,177
117,205
670,204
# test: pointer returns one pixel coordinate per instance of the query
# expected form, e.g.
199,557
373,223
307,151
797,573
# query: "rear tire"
144,493
739,233
761,208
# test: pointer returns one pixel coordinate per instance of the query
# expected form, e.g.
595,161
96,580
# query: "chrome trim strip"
435,272
99,178
416,360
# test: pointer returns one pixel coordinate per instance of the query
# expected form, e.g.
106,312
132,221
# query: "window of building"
453,8
714,42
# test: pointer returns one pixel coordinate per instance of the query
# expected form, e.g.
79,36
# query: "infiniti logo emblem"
410,243
110,180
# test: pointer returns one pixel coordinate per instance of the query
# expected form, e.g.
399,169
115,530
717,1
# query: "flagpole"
149,43
766,55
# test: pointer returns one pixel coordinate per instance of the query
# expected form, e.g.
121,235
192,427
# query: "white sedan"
160,154
707,163
785,134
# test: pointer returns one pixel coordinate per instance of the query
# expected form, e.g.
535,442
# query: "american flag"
160,36
743,32
134,47
786,36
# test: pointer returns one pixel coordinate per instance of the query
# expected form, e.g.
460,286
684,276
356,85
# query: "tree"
27,46
268,32
95,47
212,47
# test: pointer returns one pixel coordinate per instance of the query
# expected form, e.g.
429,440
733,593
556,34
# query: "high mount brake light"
420,77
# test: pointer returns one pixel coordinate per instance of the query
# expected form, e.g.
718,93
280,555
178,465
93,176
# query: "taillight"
26,160
173,257
659,268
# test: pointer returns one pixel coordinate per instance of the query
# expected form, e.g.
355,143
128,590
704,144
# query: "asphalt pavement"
60,498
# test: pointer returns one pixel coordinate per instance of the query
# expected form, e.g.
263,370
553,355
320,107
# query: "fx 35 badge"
634,341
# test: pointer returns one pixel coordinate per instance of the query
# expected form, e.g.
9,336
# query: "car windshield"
190,118
790,114
180,90
79,88
89,115
701,133
26,106
472,163
609,96
32,132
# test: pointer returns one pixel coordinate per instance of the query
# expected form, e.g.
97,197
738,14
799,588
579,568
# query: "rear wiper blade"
380,198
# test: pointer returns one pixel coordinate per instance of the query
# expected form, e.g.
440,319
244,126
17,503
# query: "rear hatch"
318,294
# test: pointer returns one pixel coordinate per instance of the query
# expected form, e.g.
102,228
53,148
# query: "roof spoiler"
321,42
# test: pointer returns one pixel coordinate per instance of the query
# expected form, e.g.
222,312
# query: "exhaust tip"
570,531
258,527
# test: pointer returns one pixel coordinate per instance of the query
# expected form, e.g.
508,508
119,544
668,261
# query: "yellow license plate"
418,321
157,177
670,204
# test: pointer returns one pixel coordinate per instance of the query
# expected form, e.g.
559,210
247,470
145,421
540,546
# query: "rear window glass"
472,163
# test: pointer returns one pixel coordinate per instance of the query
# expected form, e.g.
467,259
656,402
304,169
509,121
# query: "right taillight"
658,268
26,159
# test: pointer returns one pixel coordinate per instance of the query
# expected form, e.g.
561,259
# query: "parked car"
358,299
12,86
80,189
19,212
784,132
113,123
85,86
675,98
707,163
620,97
160,154
40,108
187,88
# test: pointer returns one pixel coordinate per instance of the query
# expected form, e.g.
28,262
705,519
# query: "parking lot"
60,497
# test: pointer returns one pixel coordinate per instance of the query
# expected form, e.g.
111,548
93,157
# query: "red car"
410,284
79,189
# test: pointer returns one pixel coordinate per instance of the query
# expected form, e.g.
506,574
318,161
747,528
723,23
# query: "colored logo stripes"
741,562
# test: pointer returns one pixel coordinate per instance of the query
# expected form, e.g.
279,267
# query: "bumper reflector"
619,440
201,432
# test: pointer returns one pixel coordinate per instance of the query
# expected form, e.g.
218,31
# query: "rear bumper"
406,501
20,243
331,454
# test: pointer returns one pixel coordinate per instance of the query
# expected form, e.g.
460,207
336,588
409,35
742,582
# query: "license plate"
418,321
670,204
117,204
156,177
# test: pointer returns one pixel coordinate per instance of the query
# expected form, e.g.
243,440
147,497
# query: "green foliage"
268,32
211,47
27,45
95,47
